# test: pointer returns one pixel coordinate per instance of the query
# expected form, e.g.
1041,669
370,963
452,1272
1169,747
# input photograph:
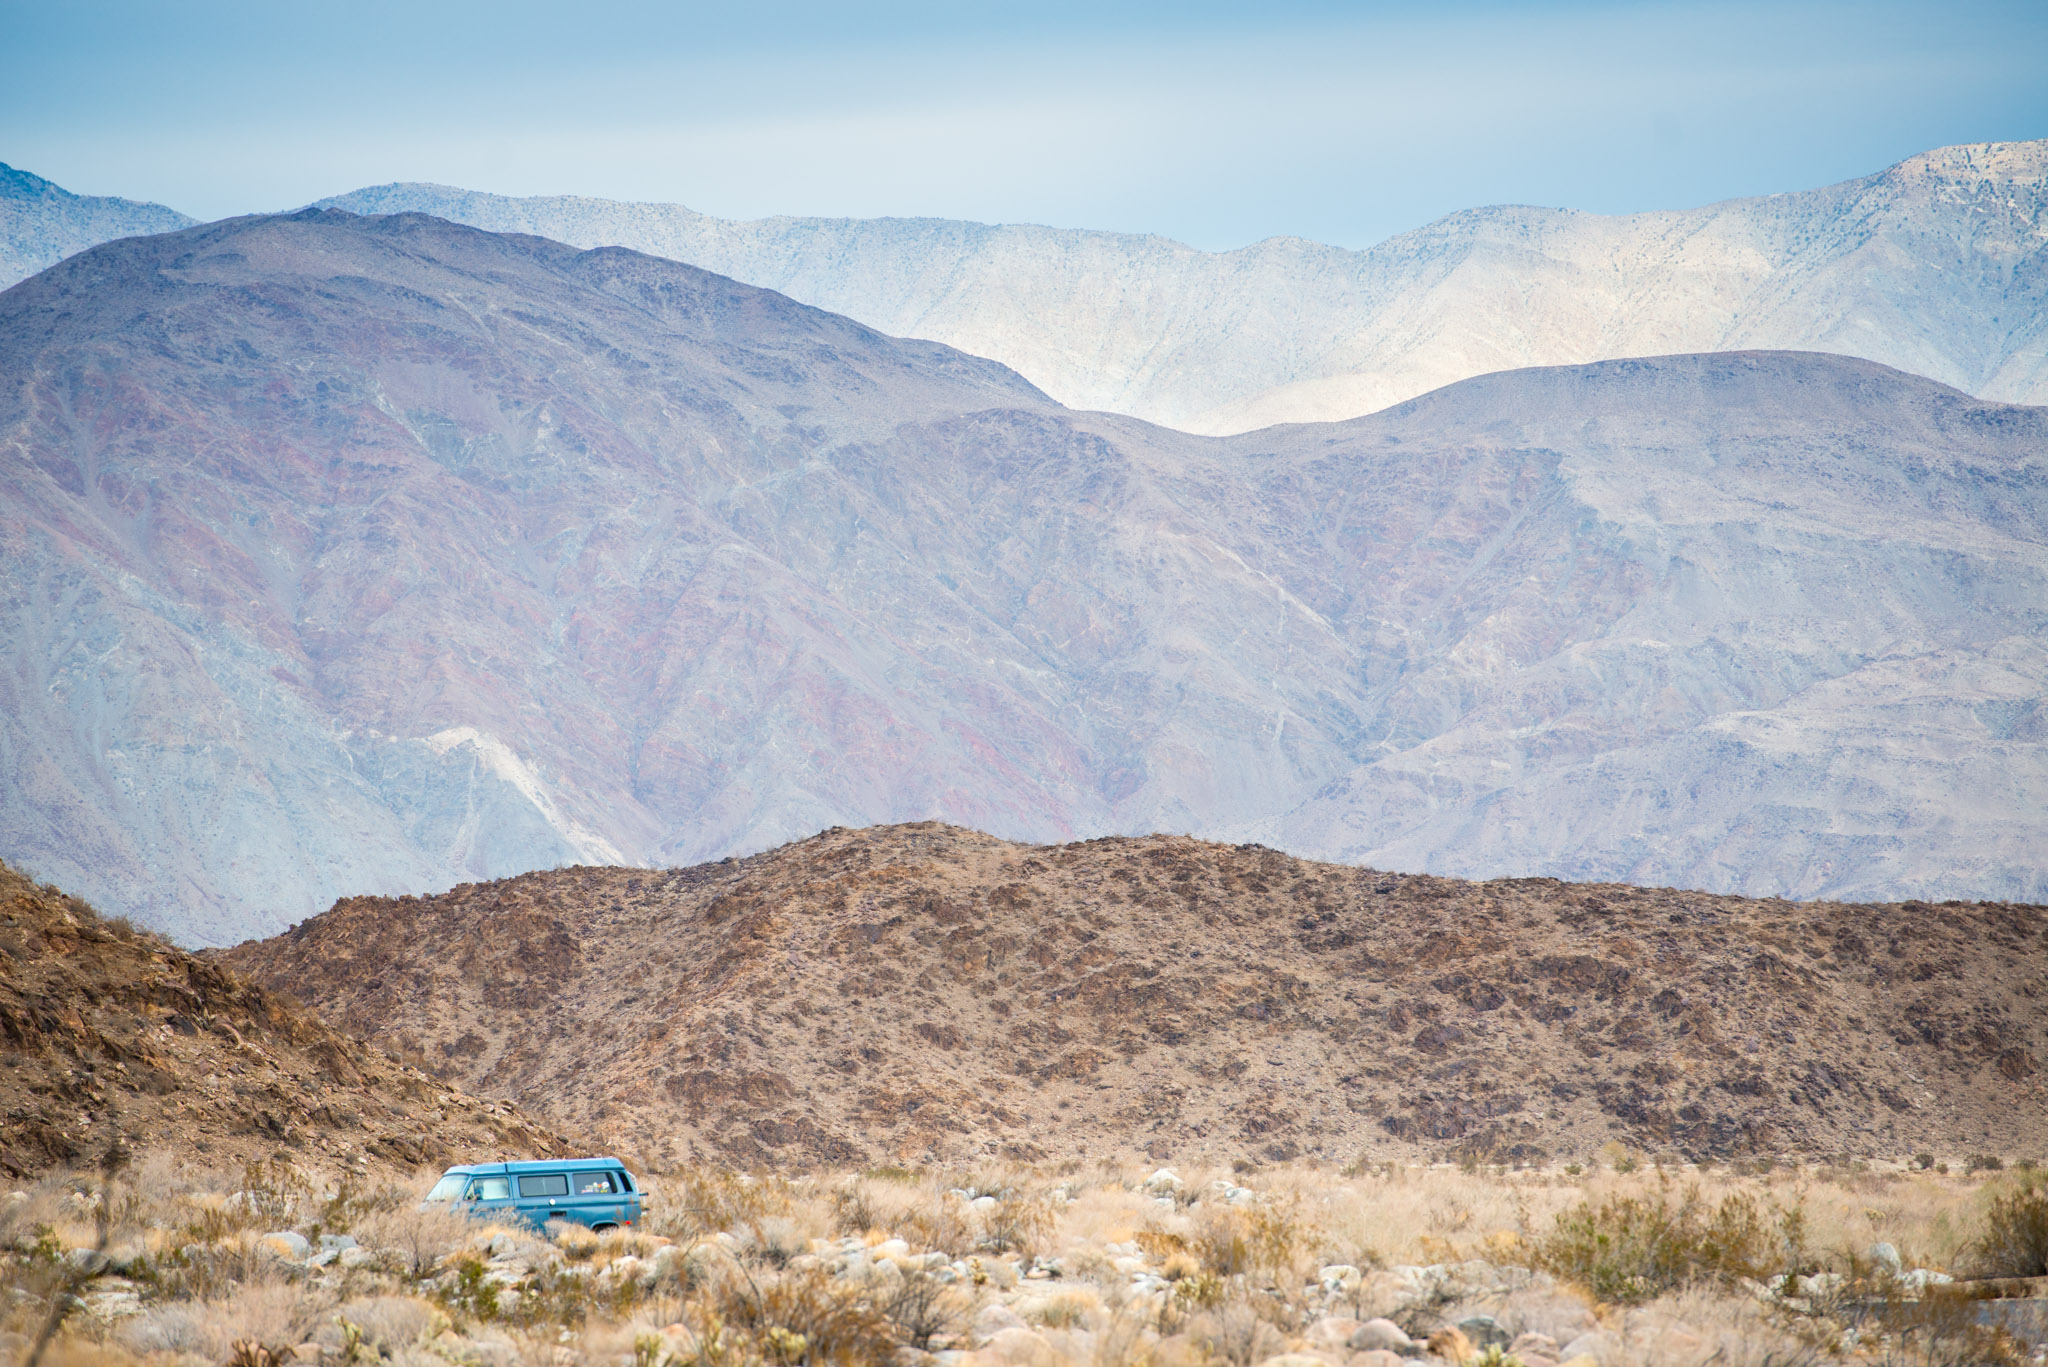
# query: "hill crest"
926,993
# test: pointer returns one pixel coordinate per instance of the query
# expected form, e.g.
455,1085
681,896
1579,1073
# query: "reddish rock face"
371,554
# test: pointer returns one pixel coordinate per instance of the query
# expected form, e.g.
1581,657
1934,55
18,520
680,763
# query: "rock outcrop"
926,994
112,1038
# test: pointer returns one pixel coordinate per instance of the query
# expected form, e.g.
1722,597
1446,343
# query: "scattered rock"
1885,1258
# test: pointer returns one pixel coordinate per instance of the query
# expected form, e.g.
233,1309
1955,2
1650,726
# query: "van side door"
543,1197
597,1197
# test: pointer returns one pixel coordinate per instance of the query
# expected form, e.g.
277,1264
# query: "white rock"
286,1244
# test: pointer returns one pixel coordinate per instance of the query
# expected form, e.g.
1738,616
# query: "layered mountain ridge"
379,554
927,994
1935,266
42,223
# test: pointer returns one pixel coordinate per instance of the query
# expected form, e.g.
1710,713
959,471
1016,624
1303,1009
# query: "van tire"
604,1229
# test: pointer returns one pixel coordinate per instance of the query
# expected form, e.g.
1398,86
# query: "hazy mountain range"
41,223
373,554
1935,266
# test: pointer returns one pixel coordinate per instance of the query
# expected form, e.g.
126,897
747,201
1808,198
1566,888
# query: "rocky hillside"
927,993
1938,266
108,1032
372,555
41,223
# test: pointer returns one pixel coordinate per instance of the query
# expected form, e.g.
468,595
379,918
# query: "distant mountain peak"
41,223
1287,330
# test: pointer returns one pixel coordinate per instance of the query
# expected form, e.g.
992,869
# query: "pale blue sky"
1215,124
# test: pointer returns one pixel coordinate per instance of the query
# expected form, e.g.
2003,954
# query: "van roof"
540,1165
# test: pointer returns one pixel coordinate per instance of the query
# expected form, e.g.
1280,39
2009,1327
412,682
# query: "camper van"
597,1193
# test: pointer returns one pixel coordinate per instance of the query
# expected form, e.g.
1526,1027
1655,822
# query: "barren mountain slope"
106,1031
1935,265
348,555
924,992
41,223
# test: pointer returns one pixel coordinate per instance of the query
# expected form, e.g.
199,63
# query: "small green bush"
2015,1238
1982,1162
1631,1248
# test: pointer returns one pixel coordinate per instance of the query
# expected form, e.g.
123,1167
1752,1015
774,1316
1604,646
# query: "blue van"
597,1193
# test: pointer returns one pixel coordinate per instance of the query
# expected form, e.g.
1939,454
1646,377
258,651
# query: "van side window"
490,1189
543,1184
594,1184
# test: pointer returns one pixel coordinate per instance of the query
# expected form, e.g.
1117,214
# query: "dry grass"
1030,1269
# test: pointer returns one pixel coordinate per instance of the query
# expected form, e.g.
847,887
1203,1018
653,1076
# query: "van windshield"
449,1187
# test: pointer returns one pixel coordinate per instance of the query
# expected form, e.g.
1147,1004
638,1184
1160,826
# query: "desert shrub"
1018,1224
794,1320
1235,1334
263,1314
704,1201
2015,1238
471,1293
1251,1241
1631,1248
922,1308
1982,1162
417,1238
940,1225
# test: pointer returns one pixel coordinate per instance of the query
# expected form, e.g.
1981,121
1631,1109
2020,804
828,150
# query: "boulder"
1294,1360
1452,1346
1165,1182
1381,1335
1336,1277
1885,1258
1485,1332
992,1319
1331,1332
1020,1347
90,1261
1378,1357
335,1243
286,1244
1599,1345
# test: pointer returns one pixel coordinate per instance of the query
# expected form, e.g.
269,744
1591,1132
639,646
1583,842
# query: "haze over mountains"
1934,266
375,554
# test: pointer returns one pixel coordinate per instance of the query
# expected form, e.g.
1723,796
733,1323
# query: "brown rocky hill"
110,1033
922,992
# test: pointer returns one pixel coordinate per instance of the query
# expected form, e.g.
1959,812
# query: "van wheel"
604,1229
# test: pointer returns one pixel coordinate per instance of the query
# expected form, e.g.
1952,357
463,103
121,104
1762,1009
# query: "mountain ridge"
42,223
922,993
1287,329
380,554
